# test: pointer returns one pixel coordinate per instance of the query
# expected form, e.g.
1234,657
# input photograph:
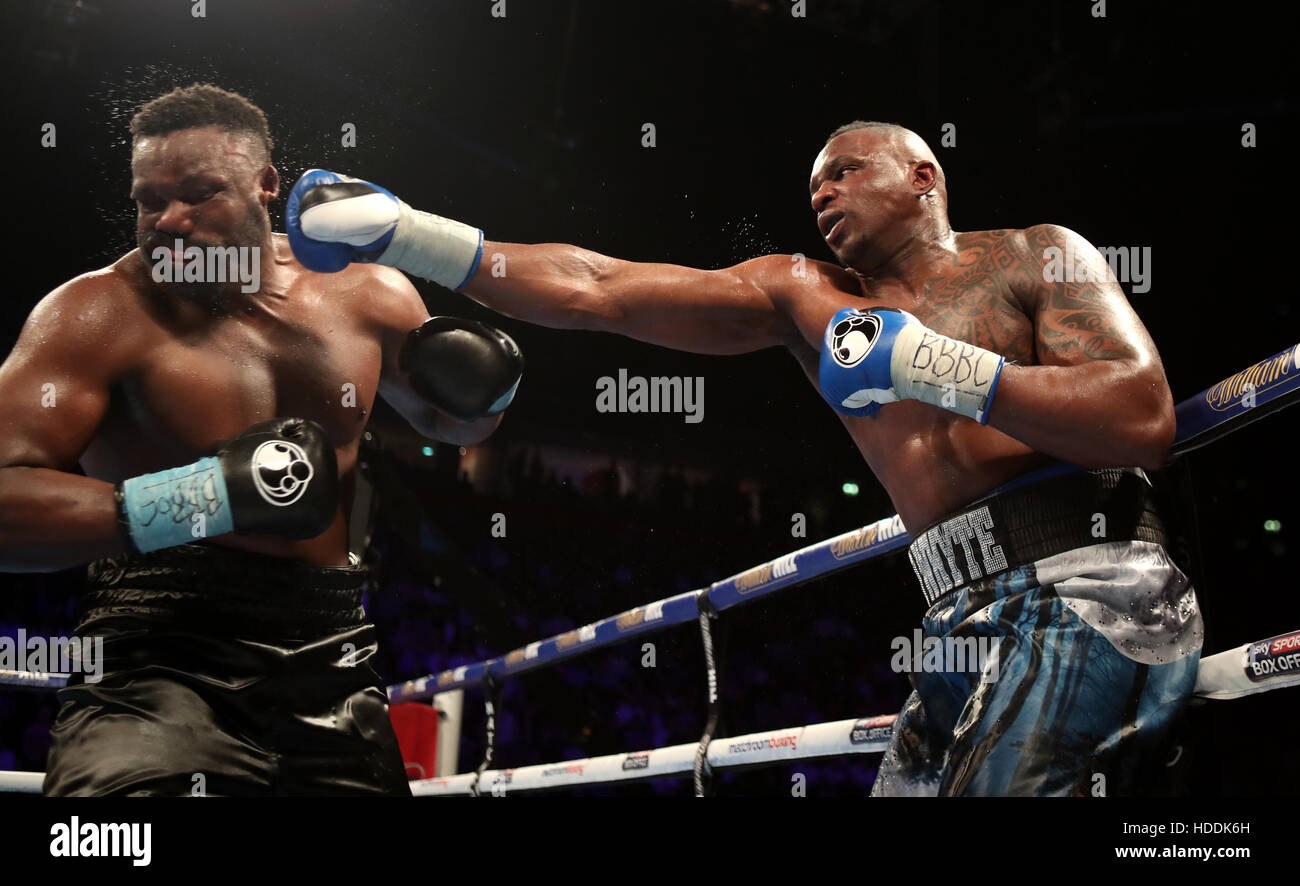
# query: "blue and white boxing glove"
334,220
882,355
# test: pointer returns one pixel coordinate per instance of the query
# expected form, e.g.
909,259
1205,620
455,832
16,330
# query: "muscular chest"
974,305
927,458
198,388
969,300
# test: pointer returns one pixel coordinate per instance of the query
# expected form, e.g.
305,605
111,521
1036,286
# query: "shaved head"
907,145
877,188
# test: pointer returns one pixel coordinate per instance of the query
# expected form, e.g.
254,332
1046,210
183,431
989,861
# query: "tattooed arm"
1098,397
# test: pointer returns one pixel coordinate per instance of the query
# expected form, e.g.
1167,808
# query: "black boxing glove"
279,477
467,369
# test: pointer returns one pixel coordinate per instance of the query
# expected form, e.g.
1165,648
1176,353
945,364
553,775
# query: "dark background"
1125,128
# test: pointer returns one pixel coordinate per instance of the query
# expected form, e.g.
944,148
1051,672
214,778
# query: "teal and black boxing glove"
279,477
468,369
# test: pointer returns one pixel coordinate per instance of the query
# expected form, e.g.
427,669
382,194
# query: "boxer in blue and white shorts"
1096,633
958,362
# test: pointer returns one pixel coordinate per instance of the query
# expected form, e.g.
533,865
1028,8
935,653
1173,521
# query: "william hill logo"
446,677
515,657
766,574
1259,378
860,539
629,620
567,640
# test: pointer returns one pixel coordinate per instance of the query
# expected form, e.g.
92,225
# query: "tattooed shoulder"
1083,317
972,300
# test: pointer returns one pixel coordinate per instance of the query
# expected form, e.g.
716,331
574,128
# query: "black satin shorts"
225,674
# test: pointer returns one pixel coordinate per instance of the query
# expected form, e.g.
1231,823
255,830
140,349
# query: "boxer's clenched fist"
881,355
468,369
278,477
334,220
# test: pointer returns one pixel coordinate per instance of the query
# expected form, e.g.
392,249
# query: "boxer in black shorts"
214,392
227,674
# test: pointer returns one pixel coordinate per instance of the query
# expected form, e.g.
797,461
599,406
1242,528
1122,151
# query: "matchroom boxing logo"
208,264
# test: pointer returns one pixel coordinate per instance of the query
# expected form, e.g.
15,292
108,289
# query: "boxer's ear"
269,183
925,179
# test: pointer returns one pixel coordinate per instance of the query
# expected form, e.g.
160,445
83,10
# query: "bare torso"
194,379
931,462
290,350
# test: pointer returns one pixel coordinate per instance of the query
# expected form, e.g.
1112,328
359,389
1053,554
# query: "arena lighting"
849,489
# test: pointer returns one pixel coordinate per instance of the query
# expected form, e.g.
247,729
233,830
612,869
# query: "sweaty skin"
1088,388
147,375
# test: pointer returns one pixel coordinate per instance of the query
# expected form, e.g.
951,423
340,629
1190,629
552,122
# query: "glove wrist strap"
176,506
945,372
435,248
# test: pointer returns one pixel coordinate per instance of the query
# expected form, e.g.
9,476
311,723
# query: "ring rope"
869,735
